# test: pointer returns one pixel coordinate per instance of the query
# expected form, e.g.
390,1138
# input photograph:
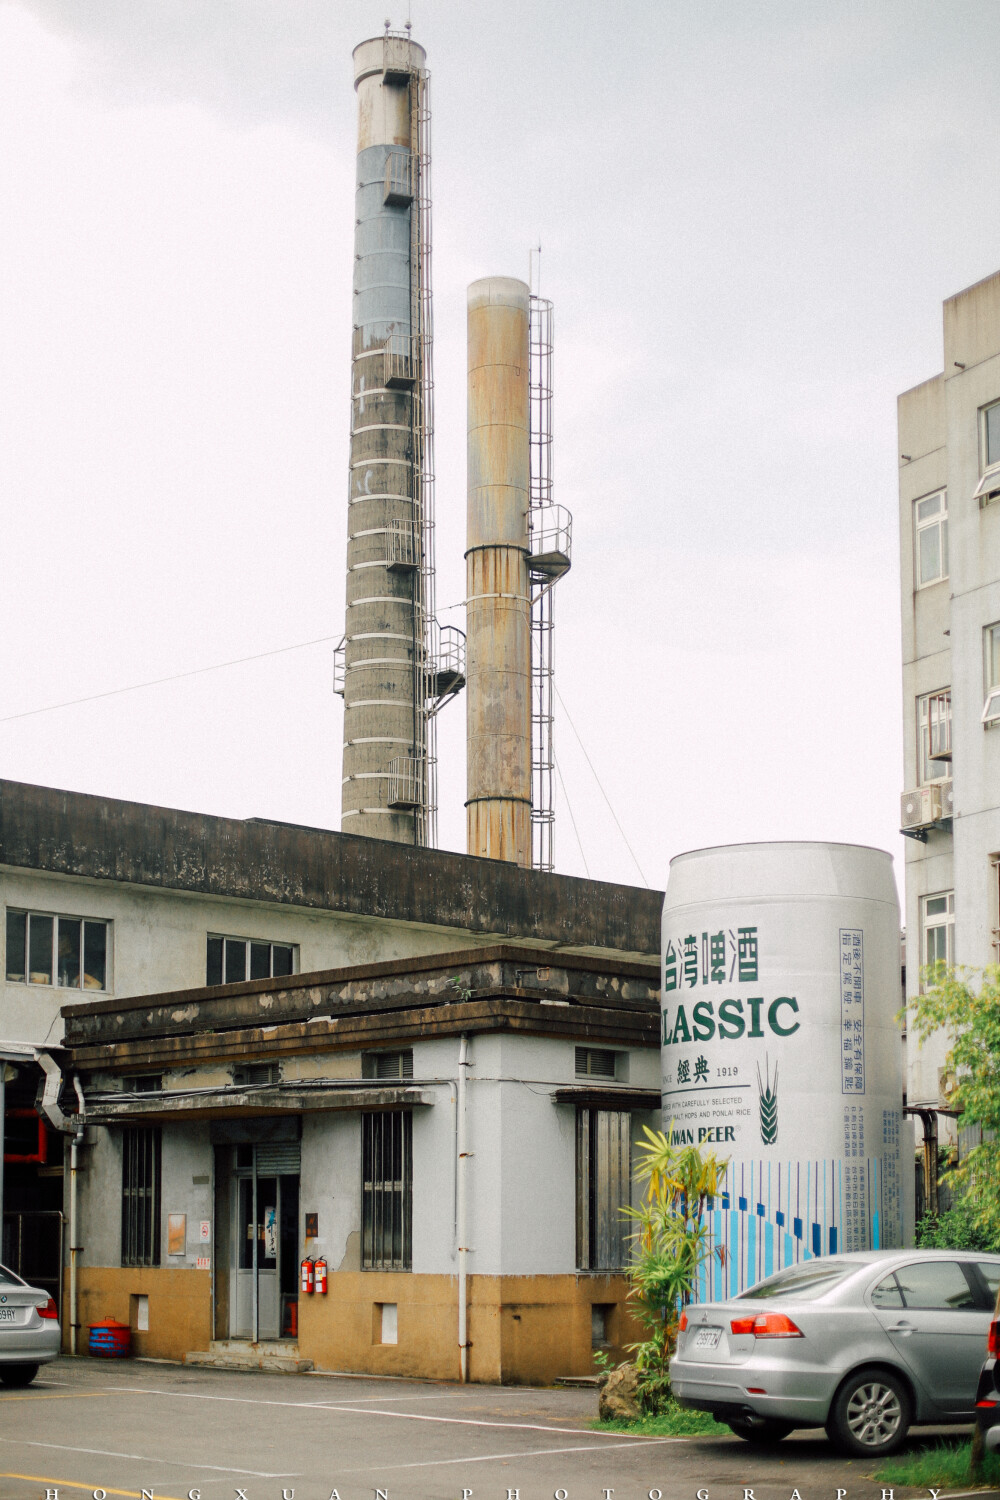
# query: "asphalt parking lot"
163,1432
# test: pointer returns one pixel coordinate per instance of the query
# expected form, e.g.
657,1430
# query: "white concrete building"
265,1025
949,497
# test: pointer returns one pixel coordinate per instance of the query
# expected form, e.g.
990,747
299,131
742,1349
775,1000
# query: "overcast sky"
750,214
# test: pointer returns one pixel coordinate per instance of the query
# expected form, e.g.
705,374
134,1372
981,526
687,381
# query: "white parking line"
419,1416
405,1416
145,1458
444,1396
484,1458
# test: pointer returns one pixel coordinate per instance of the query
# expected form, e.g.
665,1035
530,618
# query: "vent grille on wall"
387,1064
279,1159
595,1062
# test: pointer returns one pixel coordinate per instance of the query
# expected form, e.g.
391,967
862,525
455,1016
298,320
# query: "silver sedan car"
863,1344
29,1329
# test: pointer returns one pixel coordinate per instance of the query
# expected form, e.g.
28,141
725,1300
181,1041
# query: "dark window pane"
935,1284
17,923
260,960
887,1294
236,960
989,1269
282,959
69,951
95,955
40,950
214,974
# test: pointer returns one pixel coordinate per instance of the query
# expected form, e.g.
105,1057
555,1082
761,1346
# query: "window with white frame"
934,736
231,960
990,434
991,675
70,952
938,929
988,488
930,523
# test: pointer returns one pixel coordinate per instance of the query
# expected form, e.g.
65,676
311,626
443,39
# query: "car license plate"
7,1315
707,1338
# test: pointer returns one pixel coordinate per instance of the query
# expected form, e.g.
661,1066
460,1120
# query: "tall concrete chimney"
383,665
498,607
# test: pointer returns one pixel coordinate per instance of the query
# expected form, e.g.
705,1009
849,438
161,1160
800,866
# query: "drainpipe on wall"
73,1125
462,1156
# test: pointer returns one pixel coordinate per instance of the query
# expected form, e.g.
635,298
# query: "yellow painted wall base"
180,1306
523,1330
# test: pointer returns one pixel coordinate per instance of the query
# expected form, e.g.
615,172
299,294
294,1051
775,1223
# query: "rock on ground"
620,1396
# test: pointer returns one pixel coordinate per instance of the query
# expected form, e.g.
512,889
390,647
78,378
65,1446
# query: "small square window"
930,519
71,952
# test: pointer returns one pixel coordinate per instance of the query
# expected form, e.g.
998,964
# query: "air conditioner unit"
947,790
921,807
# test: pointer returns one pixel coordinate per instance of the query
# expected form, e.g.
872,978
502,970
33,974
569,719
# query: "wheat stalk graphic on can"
767,1089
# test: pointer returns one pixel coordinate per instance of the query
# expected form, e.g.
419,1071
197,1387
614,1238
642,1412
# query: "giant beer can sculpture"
781,1050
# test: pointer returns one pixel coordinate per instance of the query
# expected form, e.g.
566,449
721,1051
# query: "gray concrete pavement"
122,1429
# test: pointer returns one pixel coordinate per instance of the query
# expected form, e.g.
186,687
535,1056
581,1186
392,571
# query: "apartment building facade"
949,511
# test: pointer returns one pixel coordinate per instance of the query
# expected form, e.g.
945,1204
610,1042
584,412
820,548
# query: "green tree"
951,1000
671,1244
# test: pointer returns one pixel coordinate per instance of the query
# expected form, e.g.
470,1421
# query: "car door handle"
903,1328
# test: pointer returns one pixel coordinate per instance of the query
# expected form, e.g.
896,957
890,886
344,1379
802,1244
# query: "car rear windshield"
7,1278
813,1279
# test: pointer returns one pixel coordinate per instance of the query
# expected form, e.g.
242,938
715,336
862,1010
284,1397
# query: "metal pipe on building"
461,1201
385,760
498,611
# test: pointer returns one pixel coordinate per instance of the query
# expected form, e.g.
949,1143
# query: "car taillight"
742,1325
775,1326
47,1309
682,1325
993,1340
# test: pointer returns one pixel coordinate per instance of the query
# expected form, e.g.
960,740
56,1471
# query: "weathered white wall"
158,941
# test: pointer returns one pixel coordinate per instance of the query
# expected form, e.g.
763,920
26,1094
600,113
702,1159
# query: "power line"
604,794
569,809
135,687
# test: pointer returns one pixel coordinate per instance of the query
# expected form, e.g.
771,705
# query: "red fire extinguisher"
321,1276
308,1275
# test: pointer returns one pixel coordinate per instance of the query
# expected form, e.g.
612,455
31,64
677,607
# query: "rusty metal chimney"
498,612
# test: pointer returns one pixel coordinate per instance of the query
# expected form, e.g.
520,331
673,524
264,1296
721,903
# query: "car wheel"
18,1374
871,1414
767,1430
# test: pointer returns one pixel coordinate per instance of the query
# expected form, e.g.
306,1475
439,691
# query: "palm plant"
670,1245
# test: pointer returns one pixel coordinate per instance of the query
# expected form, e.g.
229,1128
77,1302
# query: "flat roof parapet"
134,843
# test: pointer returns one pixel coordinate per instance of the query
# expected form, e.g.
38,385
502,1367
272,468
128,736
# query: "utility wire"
569,809
604,794
135,687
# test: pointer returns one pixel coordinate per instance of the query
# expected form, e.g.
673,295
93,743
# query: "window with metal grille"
387,1064
603,1178
141,1196
595,1062
232,960
387,1191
